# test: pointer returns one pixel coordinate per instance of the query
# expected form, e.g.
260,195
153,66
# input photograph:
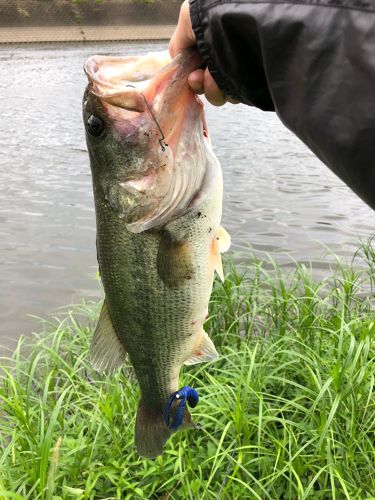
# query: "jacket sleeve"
311,61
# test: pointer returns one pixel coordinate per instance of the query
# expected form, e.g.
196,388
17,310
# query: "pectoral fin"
174,261
223,239
220,244
205,351
106,351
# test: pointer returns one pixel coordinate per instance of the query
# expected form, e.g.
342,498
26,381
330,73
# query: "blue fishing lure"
184,395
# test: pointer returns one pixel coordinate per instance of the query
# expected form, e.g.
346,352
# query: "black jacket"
311,61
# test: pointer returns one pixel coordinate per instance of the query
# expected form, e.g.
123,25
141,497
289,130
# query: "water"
278,197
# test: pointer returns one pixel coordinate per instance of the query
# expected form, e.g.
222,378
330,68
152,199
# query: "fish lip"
105,82
121,81
106,91
133,82
87,67
185,62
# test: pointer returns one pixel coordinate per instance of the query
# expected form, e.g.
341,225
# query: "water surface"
278,197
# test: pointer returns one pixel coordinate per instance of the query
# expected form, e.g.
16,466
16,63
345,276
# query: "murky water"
278,197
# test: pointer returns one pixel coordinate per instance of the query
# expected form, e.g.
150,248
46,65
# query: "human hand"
200,80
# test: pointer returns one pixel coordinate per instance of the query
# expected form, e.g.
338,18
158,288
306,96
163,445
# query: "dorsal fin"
106,350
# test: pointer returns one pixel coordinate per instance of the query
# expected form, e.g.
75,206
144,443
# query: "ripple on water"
278,197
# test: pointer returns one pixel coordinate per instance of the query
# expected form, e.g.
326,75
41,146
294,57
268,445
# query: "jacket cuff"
199,25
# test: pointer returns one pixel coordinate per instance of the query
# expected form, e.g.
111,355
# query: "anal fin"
205,351
106,350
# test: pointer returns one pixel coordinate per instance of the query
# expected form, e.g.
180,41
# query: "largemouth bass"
158,198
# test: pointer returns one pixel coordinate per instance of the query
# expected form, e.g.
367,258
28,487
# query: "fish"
158,193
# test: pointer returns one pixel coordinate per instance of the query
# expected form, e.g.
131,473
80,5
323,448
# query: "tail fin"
151,432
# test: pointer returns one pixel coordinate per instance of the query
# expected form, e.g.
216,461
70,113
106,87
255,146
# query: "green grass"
287,412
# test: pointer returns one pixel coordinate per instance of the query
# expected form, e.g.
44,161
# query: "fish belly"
158,313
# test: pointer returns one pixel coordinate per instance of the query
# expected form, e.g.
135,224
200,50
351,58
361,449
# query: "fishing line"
162,142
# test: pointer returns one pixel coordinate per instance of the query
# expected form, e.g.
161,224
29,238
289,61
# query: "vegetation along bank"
287,412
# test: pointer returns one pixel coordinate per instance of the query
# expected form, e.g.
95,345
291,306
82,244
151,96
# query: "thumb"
183,36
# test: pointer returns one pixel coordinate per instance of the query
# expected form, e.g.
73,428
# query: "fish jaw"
149,105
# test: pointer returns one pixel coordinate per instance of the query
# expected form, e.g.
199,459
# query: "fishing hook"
185,395
162,142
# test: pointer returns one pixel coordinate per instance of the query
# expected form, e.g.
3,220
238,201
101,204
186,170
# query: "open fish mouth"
122,80
149,97
150,83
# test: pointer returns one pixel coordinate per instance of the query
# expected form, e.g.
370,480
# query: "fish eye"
95,126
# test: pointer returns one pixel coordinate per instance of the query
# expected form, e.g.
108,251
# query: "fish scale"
158,211
159,317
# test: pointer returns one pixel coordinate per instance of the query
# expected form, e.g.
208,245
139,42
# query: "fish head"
146,136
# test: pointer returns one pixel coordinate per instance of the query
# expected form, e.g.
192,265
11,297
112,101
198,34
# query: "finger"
183,36
212,92
232,101
196,79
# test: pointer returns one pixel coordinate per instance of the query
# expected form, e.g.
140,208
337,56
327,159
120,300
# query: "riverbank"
71,21
288,410
85,34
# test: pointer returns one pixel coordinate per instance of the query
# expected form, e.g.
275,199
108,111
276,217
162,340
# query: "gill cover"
152,96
